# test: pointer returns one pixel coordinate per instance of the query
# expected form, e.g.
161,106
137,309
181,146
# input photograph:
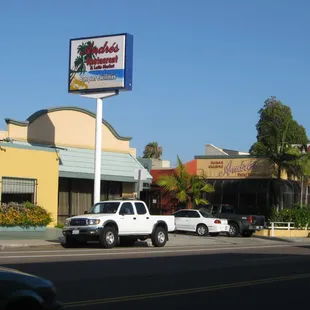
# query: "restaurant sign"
99,64
235,168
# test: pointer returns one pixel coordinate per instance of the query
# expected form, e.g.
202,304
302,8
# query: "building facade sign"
234,168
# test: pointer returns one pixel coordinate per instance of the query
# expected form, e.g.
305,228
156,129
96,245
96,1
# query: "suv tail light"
250,219
217,222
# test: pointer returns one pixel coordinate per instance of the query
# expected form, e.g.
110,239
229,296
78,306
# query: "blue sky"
202,69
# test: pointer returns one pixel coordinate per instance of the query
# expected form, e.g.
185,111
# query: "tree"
185,187
277,131
152,150
299,166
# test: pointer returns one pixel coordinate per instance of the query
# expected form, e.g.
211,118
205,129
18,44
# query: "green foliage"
152,150
300,216
23,215
277,131
58,225
185,187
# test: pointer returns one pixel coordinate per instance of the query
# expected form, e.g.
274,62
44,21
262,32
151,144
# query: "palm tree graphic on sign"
79,66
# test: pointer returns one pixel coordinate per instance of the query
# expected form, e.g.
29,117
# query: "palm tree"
152,150
185,187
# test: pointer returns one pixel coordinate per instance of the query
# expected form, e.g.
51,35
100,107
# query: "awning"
79,163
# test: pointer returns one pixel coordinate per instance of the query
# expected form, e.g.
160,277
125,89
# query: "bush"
300,216
23,215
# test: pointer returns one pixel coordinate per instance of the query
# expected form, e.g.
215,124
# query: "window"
18,190
140,208
104,208
227,209
206,214
180,214
193,214
126,209
215,210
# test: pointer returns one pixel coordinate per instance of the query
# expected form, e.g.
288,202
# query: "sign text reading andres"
96,57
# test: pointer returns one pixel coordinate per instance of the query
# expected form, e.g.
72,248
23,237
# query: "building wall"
37,164
62,127
3,134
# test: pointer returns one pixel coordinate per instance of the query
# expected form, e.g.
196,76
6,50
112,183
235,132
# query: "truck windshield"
104,207
205,214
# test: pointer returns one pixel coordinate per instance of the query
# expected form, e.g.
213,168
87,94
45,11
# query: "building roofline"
39,113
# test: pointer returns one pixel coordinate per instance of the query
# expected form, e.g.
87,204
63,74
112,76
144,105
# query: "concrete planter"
23,229
281,233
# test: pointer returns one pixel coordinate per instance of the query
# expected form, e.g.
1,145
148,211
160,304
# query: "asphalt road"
251,276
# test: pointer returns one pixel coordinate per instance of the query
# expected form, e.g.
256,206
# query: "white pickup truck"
113,221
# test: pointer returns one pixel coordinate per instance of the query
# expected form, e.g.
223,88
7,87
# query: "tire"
127,241
214,234
159,237
247,233
108,237
70,242
234,230
202,230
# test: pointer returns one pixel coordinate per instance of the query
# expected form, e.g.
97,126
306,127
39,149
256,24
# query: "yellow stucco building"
29,174
55,147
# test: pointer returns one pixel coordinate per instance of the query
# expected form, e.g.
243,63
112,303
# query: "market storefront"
248,183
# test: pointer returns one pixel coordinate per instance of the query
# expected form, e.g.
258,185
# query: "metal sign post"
98,140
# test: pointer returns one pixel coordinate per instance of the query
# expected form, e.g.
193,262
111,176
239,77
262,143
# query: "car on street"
201,222
20,290
240,224
118,221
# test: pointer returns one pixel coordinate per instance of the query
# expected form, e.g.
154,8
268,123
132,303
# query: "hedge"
23,215
300,216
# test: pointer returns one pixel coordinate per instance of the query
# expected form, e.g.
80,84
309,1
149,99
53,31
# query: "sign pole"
98,147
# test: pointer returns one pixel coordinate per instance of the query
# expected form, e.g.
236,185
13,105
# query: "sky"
202,68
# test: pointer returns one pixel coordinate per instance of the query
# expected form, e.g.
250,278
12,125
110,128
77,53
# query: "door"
180,220
127,219
144,224
193,219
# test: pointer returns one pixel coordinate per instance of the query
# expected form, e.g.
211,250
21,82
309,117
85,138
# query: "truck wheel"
214,234
233,230
108,237
127,241
247,233
159,237
202,230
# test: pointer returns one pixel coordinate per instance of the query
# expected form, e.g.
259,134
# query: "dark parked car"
20,290
240,224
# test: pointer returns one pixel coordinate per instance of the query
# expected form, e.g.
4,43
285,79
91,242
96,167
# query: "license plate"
75,232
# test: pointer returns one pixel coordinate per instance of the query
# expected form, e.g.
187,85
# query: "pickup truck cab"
240,224
111,221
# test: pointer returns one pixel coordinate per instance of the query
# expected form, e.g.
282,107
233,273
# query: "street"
252,276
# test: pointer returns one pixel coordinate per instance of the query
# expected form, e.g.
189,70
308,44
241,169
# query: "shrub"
300,216
23,215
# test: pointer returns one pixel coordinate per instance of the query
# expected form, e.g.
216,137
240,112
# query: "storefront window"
18,190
